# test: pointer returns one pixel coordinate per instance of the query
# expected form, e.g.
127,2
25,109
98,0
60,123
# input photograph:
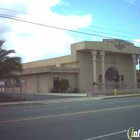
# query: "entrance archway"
112,74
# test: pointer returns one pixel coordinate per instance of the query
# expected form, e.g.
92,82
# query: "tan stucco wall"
108,46
56,62
84,78
73,64
44,82
31,82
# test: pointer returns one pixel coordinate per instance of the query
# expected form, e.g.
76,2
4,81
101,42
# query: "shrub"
63,85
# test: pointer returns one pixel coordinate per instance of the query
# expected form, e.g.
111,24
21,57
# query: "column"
94,53
120,81
134,67
102,54
139,63
138,59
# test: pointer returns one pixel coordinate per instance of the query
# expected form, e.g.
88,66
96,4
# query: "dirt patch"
7,98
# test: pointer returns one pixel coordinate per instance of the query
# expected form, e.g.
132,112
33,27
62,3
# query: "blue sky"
101,18
106,14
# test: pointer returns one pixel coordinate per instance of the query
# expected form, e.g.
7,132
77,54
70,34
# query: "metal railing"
15,90
108,88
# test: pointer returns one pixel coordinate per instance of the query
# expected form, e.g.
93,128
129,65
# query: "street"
104,119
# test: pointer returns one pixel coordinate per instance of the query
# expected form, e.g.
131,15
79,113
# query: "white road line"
35,109
107,135
44,109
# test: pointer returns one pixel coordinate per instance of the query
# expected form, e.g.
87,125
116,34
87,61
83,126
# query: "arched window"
122,78
112,74
100,78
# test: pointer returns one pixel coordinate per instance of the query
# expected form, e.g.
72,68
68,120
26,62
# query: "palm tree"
9,66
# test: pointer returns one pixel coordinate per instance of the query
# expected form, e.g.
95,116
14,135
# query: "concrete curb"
51,101
60,94
99,97
122,96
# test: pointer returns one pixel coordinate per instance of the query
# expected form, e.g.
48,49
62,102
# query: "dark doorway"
112,74
56,83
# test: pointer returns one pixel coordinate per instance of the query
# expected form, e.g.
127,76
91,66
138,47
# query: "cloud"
136,42
64,3
33,42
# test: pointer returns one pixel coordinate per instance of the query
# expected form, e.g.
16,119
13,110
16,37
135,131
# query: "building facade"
91,65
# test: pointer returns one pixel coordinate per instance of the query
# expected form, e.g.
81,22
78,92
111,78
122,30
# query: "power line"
13,11
89,26
23,20
131,3
40,24
137,2
107,33
13,18
126,5
114,30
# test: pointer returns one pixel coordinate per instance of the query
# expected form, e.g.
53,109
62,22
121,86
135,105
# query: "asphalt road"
107,119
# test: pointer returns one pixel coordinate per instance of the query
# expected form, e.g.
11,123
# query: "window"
1,86
22,81
7,83
122,78
18,83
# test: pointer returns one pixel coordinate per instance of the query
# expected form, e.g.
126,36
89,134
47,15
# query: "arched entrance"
112,74
100,82
138,83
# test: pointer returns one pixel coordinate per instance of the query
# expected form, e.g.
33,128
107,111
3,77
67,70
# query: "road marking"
107,135
35,109
44,109
69,114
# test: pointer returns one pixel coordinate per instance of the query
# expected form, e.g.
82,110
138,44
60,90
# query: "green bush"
63,85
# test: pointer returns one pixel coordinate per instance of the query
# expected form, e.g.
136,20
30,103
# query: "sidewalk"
61,94
81,98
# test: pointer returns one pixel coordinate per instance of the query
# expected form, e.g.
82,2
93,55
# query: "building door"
112,74
56,83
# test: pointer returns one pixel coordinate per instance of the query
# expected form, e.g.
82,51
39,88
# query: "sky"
43,29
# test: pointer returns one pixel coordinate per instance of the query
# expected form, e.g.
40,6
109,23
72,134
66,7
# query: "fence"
16,90
108,88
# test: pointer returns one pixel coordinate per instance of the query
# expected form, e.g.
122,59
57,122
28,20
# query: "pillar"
102,54
138,59
120,81
134,68
94,53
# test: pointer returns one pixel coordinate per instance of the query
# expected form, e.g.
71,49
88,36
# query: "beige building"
91,65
